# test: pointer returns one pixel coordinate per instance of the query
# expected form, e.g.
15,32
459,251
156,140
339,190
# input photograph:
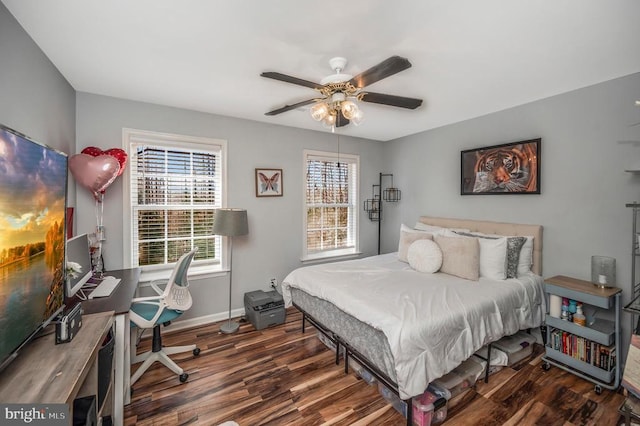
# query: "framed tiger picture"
268,182
510,168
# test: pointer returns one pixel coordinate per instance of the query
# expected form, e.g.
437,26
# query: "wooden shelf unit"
46,373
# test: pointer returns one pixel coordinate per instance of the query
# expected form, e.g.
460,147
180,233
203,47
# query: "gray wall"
274,244
36,98
583,179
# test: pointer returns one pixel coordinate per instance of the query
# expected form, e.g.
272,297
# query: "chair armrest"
145,299
155,285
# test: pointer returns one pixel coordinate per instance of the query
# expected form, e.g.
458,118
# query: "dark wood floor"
279,376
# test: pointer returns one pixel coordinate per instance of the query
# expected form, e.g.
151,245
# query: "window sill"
325,258
195,273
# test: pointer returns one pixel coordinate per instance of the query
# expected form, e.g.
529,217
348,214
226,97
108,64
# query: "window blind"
174,192
330,200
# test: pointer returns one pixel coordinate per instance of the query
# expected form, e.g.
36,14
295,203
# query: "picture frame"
269,182
510,168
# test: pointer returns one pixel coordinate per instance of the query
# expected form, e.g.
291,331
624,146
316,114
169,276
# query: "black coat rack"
373,206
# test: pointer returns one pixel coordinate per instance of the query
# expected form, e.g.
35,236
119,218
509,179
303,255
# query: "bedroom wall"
583,180
274,244
36,99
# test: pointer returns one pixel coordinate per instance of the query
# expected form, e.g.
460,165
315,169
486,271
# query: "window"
330,214
175,183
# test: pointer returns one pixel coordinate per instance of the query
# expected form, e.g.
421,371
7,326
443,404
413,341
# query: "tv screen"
78,263
33,190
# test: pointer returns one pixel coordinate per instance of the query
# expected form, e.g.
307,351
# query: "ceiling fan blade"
341,120
397,101
292,80
290,107
384,69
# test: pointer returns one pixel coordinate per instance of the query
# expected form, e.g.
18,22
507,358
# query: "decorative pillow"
407,236
460,256
493,254
514,246
526,257
425,256
493,258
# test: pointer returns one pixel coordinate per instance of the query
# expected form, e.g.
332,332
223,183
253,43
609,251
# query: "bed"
410,327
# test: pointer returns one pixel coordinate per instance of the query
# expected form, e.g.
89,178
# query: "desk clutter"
264,308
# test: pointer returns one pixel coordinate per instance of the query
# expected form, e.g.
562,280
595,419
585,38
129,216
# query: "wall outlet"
273,283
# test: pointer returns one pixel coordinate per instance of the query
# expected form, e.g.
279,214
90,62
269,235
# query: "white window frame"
354,202
203,268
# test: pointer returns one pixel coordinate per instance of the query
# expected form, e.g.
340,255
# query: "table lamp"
230,222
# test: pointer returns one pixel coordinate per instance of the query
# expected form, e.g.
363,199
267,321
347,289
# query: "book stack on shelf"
583,349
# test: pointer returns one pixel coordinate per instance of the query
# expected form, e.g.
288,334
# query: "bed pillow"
408,236
425,256
429,228
493,258
493,253
514,247
460,256
526,257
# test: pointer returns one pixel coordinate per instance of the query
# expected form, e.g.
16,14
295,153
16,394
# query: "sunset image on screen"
32,217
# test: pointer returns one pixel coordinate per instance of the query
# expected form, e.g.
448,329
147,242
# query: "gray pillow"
514,245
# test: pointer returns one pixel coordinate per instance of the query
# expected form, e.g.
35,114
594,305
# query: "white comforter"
433,321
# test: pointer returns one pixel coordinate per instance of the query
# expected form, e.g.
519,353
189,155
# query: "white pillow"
493,258
429,228
408,236
526,257
425,256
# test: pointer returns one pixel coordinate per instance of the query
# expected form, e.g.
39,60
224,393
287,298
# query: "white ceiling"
469,57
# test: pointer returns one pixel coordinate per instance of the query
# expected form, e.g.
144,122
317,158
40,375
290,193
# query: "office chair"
153,311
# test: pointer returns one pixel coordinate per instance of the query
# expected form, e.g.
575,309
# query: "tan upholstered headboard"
499,228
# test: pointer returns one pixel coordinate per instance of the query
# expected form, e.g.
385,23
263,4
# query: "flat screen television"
78,263
33,193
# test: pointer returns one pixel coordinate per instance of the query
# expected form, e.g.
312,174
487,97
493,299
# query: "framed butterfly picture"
268,182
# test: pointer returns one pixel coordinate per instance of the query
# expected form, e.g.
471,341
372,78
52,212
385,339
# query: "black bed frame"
349,351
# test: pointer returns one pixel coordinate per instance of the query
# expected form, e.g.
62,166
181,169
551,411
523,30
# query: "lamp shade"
230,222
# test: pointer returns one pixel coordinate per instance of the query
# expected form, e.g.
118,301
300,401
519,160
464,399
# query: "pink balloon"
94,173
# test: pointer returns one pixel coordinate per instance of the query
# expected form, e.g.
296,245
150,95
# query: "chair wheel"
546,366
196,351
184,377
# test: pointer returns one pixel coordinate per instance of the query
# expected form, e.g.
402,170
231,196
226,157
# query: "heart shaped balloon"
94,173
119,155
92,151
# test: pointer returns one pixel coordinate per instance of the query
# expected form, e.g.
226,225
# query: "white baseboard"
196,322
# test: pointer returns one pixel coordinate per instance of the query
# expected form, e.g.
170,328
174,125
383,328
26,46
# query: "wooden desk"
45,372
119,302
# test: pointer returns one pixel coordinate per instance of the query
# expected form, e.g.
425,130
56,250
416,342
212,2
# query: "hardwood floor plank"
281,376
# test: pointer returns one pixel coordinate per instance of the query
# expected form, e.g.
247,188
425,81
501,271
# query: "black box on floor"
264,308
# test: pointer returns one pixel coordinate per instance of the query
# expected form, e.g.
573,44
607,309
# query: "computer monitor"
78,251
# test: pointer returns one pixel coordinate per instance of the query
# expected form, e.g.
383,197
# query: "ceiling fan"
337,105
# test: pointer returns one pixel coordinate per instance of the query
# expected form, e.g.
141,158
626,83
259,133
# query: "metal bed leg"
304,317
346,361
486,371
337,352
409,403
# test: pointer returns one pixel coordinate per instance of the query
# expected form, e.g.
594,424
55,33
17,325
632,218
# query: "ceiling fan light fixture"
329,120
319,111
357,118
349,109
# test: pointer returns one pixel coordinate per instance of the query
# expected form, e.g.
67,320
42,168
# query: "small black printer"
264,308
